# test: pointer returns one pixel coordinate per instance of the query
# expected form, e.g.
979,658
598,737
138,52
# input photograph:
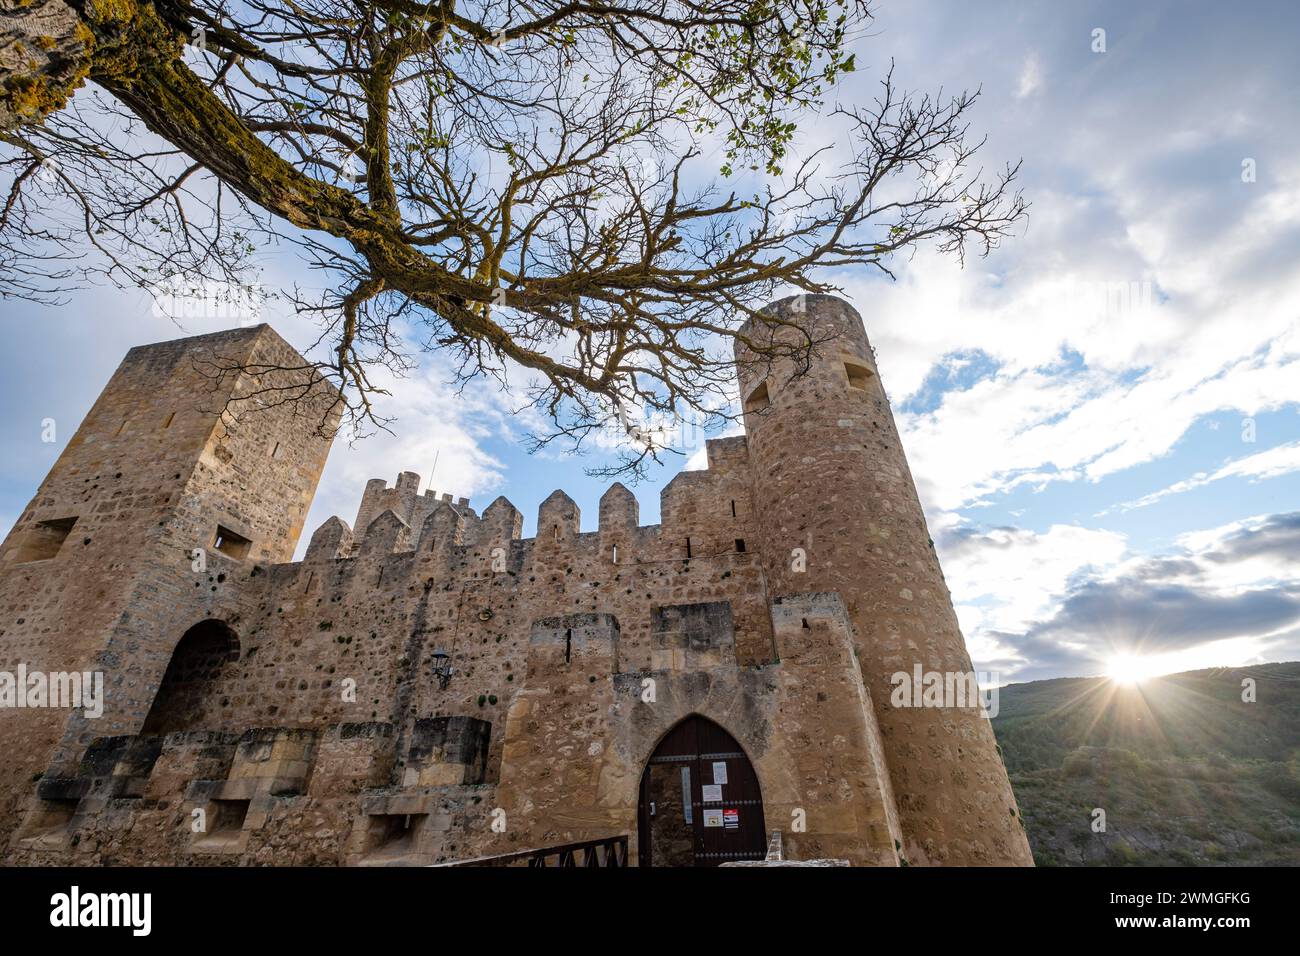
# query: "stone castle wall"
302,714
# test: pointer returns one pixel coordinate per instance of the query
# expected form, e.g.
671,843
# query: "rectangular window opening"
758,399
223,823
43,540
740,545
51,821
227,816
395,834
858,375
231,544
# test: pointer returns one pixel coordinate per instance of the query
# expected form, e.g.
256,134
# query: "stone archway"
700,803
184,695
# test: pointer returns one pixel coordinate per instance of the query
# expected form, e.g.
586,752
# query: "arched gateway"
700,800
196,663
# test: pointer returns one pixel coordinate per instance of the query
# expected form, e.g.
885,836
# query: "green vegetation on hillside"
1186,771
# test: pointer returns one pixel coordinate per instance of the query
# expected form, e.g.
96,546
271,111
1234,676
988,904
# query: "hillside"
1186,772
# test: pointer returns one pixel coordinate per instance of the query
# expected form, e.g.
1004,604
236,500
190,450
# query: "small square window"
758,399
393,834
49,823
42,540
858,375
228,816
231,544
224,822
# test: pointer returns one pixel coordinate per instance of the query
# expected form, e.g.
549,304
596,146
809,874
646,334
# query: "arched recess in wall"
700,802
185,695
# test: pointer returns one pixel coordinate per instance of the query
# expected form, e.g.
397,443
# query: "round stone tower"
838,512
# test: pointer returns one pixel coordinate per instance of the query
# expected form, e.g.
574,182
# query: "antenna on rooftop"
433,469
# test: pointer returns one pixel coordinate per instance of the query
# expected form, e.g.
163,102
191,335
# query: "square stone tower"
190,467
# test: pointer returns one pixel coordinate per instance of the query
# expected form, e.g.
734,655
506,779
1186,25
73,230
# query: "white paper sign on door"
712,793
686,793
719,771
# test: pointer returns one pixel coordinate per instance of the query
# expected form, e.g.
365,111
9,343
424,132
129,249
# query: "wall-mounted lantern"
442,668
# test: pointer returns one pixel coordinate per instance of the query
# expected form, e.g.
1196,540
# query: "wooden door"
700,800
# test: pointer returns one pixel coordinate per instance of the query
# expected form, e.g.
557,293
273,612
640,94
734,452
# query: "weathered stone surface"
787,863
831,479
316,723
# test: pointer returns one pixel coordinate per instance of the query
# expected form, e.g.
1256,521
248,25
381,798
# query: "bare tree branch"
585,199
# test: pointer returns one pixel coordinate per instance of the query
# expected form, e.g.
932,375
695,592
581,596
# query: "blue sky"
1103,417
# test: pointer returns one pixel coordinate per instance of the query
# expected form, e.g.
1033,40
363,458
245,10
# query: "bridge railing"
606,852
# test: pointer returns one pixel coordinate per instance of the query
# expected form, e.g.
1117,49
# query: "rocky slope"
1184,770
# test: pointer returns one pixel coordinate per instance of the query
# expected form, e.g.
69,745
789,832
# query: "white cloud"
433,423
1225,596
1281,460
1207,538
1253,552
699,460
1087,382
1004,579
1031,77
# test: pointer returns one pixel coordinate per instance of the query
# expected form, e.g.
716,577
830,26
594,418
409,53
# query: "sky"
1102,417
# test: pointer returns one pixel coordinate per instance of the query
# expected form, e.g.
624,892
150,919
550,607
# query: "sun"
1130,668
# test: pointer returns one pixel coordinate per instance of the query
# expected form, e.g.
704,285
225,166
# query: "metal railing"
609,851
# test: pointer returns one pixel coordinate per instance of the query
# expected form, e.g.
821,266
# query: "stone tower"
180,453
839,512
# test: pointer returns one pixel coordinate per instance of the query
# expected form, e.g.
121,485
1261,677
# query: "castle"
426,686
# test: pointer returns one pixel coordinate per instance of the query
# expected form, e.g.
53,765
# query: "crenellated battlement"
403,500
396,519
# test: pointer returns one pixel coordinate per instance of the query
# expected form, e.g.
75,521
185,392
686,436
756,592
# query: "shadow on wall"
195,666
